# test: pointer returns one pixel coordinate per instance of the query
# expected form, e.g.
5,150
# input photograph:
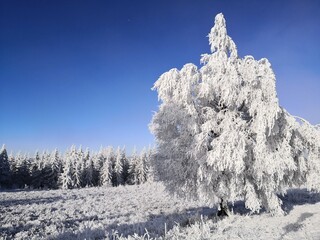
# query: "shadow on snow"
28,201
157,225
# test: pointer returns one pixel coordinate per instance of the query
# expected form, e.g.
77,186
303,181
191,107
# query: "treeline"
74,169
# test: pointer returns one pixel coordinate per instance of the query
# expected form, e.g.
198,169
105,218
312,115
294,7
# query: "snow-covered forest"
76,168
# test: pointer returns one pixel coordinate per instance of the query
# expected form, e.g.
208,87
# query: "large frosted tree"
221,133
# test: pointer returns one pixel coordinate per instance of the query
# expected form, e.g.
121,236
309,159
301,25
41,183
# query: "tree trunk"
223,211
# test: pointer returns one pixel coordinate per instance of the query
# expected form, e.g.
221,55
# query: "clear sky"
80,72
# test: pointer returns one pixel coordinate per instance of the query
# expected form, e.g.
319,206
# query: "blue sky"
80,72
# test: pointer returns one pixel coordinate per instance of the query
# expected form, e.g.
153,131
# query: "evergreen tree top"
3,148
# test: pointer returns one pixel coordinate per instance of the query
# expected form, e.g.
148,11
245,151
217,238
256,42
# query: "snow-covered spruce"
5,173
221,133
74,169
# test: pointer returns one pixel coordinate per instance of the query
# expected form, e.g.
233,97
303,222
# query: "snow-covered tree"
56,167
22,175
142,167
5,172
88,170
106,170
41,172
138,167
49,174
117,178
35,171
66,179
14,169
134,159
149,172
56,161
78,167
12,163
98,160
221,133
125,167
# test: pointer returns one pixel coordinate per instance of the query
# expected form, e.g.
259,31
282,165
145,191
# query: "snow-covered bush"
221,133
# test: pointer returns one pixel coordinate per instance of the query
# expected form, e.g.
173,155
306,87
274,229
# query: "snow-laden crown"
219,40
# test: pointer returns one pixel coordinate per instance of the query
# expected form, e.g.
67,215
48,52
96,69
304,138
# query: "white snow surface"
149,212
95,212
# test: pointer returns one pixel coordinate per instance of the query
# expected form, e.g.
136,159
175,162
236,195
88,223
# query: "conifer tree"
78,164
13,167
98,159
132,167
144,165
88,170
5,172
66,178
56,167
48,175
149,168
125,167
106,169
140,170
22,174
118,168
35,171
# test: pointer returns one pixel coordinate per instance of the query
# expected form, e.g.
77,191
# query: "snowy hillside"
106,212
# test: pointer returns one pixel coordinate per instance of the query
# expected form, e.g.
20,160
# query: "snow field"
147,212
91,212
301,221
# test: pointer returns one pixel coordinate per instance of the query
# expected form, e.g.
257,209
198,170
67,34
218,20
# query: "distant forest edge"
75,168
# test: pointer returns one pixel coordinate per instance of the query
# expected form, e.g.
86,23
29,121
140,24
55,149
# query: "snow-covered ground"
301,221
65,214
98,213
